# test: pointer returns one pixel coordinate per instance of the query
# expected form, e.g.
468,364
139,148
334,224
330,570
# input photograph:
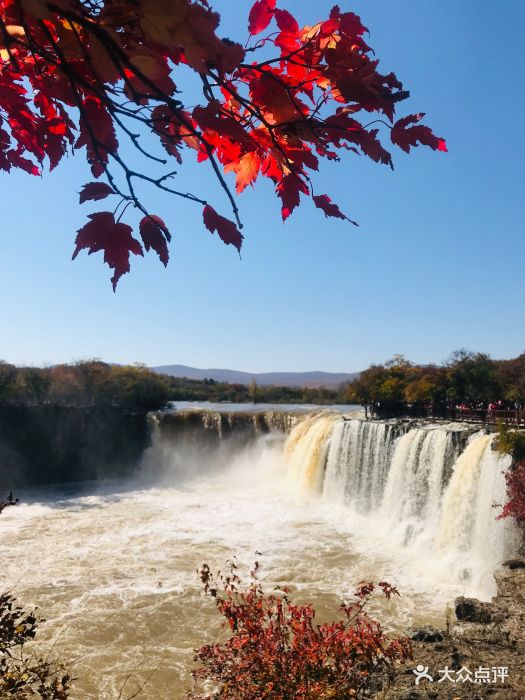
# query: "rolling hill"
232,376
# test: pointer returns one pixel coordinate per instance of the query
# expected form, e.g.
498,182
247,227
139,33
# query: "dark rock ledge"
484,635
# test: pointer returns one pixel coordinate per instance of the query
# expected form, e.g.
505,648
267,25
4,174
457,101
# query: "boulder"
472,610
426,634
514,564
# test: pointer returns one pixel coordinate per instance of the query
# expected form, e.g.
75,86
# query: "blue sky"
436,264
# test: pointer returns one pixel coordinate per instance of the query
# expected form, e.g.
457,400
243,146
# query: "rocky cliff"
57,444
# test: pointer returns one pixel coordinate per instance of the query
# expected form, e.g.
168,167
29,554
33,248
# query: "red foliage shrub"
275,650
515,505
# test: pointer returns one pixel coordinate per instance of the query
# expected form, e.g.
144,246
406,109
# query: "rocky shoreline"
483,649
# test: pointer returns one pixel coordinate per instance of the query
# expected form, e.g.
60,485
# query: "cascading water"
358,460
460,503
307,447
431,488
412,496
469,535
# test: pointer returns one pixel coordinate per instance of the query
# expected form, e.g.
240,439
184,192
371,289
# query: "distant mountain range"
306,379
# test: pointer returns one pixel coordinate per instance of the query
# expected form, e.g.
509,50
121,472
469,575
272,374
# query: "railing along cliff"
514,417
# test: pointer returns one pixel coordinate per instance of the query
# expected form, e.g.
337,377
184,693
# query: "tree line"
97,383
90,383
467,380
184,389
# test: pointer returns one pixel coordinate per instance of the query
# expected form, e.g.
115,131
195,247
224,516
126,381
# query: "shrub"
515,505
275,650
512,442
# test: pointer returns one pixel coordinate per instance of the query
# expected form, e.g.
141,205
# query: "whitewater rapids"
113,567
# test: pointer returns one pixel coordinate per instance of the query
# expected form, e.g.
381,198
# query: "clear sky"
436,264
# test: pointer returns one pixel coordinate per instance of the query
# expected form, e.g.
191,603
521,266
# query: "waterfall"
460,501
429,487
469,534
307,448
413,490
357,464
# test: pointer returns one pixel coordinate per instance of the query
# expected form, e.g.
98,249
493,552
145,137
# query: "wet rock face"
472,610
511,588
56,444
203,425
511,602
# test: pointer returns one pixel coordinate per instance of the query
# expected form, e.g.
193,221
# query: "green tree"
33,384
365,390
426,385
95,382
7,378
253,391
511,377
472,377
136,387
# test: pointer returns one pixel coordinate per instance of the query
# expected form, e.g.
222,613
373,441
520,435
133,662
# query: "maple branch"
207,88
123,209
258,115
99,147
134,137
174,105
112,106
158,182
378,121
275,118
73,83
129,174
279,59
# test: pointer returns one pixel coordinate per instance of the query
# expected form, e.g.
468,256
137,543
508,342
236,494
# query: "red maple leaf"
349,23
154,235
211,118
289,189
95,191
55,148
275,97
286,22
227,230
260,16
102,232
97,133
323,201
246,169
19,161
406,137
